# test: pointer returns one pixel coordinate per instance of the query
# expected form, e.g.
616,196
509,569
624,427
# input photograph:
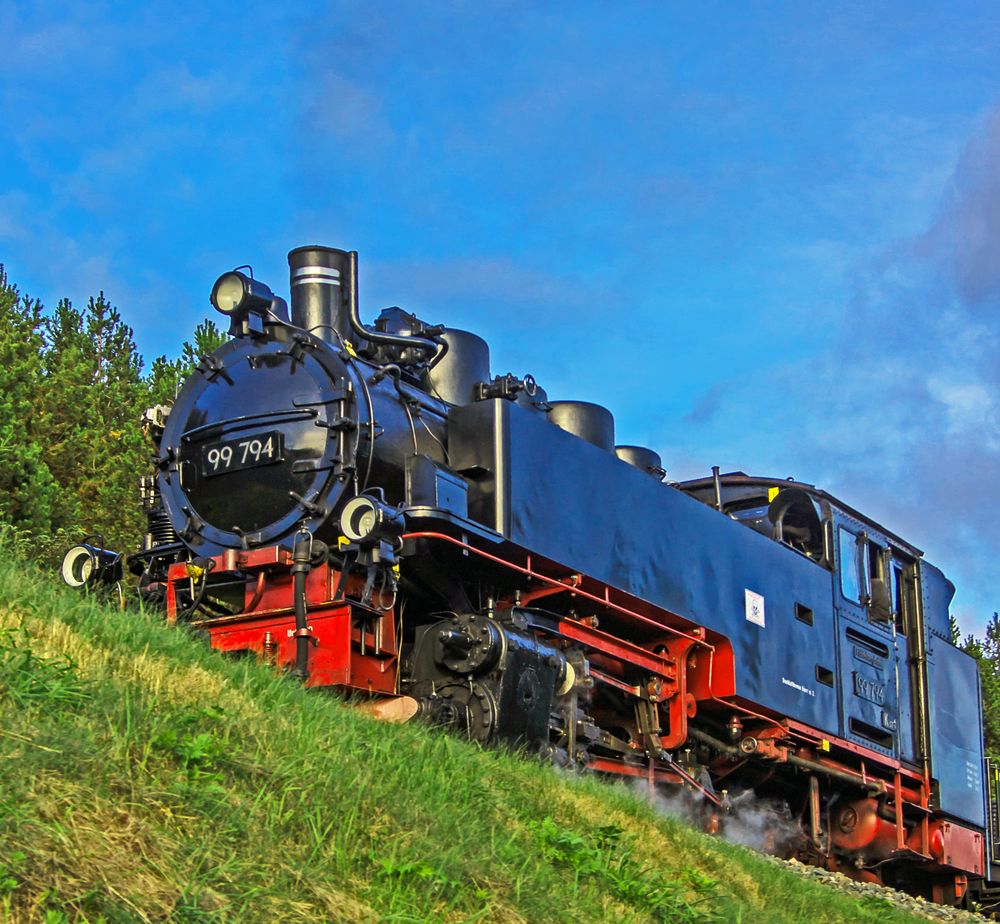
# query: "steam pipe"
408,394
873,786
389,370
795,760
714,742
436,347
916,636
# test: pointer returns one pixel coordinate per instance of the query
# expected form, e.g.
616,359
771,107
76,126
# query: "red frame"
351,646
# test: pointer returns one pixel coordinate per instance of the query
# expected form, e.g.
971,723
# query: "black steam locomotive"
368,507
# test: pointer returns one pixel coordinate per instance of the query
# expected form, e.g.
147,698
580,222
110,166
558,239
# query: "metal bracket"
312,508
304,466
212,367
298,348
647,720
192,527
307,632
340,424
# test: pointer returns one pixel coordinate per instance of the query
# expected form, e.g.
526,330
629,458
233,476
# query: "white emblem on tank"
755,607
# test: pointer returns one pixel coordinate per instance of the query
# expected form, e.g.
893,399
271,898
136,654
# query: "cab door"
869,651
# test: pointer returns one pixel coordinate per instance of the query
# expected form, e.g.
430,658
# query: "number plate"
238,454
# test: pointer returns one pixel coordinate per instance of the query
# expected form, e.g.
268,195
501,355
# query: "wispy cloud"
900,413
965,239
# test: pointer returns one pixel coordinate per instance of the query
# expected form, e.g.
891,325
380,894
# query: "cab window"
875,563
850,577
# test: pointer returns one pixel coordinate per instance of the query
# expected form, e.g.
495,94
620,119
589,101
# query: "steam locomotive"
367,507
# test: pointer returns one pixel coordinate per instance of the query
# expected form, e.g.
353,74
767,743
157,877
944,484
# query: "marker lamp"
87,566
365,519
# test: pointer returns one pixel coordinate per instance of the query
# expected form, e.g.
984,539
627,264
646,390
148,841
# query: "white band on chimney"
324,275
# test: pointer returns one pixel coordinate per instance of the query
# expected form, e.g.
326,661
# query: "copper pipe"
258,593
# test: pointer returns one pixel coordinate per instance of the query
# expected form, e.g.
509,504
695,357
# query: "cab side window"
850,573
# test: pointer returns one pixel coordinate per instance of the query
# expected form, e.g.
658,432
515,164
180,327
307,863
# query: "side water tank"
465,365
590,422
643,459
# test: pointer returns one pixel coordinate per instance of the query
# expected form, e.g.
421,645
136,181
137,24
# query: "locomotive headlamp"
229,292
366,519
88,566
237,294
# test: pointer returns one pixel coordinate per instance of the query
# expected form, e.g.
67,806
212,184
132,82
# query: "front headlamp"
235,294
229,293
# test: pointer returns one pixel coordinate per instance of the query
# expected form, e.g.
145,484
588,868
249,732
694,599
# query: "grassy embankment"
144,778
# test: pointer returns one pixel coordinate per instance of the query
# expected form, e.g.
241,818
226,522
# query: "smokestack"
322,282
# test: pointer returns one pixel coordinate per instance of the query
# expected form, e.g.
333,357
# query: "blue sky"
766,235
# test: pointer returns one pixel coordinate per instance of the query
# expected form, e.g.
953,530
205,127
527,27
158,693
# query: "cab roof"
743,480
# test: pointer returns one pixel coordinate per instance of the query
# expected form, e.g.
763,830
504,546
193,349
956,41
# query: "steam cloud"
761,824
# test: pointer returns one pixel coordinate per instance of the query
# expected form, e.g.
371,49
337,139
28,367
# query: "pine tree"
88,415
30,498
986,651
72,395
167,376
955,630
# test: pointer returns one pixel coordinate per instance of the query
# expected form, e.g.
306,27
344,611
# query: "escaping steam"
765,825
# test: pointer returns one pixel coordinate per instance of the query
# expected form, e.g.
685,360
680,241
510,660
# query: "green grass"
144,778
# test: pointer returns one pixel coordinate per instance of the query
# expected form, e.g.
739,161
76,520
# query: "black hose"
301,566
434,348
207,565
306,552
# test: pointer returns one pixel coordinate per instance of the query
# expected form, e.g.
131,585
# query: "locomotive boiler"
369,507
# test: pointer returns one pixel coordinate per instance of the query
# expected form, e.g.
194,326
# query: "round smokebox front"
261,441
